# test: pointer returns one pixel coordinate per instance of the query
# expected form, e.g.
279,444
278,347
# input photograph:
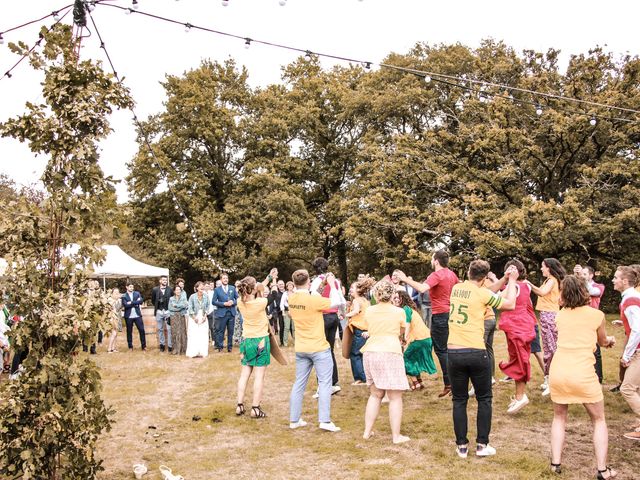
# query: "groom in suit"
131,301
225,299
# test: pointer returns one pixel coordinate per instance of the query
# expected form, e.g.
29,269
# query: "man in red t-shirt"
439,285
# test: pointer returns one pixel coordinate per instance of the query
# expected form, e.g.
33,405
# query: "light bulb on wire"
135,5
1,39
427,79
538,110
307,56
128,11
56,15
225,3
247,43
187,27
593,122
282,2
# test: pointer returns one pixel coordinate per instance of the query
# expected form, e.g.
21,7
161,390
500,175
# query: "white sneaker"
329,427
544,385
485,450
516,405
472,392
335,389
462,450
546,392
493,381
298,424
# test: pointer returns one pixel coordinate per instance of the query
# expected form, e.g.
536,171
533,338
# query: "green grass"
166,392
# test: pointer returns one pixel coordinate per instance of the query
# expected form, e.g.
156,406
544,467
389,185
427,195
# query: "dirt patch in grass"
166,392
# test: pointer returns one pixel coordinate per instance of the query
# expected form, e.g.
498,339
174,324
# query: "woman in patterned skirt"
178,307
383,361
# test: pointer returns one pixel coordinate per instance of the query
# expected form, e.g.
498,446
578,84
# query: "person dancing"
383,361
572,378
468,359
548,306
518,326
418,347
255,348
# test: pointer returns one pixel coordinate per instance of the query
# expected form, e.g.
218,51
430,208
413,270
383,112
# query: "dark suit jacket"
157,298
129,304
219,297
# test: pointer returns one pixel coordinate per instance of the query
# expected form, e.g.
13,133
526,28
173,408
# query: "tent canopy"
118,264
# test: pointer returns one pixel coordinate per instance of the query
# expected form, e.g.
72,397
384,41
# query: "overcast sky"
144,50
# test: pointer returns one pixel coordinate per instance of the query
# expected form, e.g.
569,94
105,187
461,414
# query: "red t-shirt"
440,285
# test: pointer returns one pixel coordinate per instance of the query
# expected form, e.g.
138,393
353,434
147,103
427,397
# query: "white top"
632,313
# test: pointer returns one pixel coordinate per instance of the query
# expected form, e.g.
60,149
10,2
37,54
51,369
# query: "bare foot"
400,439
367,437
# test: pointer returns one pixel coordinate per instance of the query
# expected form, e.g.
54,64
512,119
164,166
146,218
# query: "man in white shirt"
624,281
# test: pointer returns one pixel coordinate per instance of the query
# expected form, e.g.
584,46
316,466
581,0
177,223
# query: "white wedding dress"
197,336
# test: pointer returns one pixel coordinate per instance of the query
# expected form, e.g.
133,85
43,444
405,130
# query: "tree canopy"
375,169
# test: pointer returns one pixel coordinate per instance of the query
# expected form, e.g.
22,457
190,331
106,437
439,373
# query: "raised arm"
509,294
420,287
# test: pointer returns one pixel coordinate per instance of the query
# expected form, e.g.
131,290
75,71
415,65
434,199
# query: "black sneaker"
170,349
162,348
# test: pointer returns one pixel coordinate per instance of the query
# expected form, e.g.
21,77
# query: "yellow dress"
572,376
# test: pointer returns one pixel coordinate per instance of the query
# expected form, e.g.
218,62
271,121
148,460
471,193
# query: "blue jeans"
440,338
324,370
161,319
227,322
357,368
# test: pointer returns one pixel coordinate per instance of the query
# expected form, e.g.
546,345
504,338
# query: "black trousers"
598,364
140,326
464,365
331,322
440,338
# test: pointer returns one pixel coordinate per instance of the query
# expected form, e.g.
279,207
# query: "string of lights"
157,164
248,41
56,15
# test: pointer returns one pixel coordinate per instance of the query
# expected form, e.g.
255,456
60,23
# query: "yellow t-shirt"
551,301
466,317
489,313
418,330
255,323
306,312
385,322
358,321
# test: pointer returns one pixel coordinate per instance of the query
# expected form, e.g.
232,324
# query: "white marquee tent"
117,264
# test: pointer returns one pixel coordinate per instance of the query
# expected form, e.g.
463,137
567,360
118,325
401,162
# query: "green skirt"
256,352
418,359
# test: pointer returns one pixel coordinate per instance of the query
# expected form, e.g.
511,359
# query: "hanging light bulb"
427,79
1,39
56,15
538,110
247,43
135,4
282,2
307,56
593,122
225,3
187,27
128,11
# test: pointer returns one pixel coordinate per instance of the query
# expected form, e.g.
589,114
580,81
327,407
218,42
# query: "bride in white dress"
197,325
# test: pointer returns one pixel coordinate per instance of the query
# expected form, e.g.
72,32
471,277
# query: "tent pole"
104,283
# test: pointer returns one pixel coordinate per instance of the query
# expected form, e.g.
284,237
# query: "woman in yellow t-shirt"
255,349
548,305
417,350
383,361
358,325
572,378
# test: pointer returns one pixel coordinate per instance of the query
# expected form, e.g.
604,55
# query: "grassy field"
180,412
